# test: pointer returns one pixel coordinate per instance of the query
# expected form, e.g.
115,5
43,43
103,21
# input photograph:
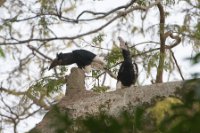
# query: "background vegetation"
33,31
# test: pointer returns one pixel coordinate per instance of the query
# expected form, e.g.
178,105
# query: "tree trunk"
79,102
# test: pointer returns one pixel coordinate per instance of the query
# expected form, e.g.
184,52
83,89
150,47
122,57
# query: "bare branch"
2,2
176,62
38,102
12,92
13,117
176,37
104,14
40,53
159,76
110,73
119,15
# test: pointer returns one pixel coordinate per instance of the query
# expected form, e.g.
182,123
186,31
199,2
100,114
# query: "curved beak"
54,63
123,44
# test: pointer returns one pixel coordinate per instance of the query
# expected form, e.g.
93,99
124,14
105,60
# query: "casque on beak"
122,44
54,63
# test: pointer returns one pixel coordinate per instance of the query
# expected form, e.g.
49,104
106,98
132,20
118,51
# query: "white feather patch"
98,63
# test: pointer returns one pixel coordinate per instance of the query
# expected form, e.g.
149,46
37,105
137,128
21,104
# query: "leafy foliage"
114,56
46,86
152,62
197,32
186,116
98,39
196,59
2,53
163,108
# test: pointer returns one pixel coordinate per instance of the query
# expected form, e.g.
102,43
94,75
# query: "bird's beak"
121,40
54,63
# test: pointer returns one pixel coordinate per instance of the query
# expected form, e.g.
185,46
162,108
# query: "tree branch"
119,15
40,53
104,14
38,102
176,37
159,76
116,101
176,62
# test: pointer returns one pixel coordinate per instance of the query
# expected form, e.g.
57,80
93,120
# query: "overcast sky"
181,52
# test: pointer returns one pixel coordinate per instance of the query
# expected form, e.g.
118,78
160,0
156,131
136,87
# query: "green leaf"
142,2
46,86
152,62
2,53
196,59
98,39
197,31
115,56
138,117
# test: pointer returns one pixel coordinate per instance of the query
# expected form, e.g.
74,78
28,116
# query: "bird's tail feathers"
98,63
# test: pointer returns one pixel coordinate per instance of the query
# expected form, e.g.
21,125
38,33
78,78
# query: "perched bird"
83,58
128,71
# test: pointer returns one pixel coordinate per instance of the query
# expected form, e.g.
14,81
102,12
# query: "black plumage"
81,57
128,71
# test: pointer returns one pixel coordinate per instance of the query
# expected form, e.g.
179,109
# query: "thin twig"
179,69
104,14
119,15
40,53
110,73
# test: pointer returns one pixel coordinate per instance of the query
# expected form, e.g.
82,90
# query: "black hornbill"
128,71
83,58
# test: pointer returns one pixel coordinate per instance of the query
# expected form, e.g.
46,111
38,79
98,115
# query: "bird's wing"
83,57
120,72
84,54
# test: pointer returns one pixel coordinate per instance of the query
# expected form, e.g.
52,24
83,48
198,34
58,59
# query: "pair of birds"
84,59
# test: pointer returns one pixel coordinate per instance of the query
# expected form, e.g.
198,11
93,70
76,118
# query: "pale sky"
181,52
